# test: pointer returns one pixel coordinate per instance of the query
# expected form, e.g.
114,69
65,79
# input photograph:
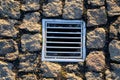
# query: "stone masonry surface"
21,39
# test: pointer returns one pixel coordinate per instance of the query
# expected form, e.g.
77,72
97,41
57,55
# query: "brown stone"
95,61
96,38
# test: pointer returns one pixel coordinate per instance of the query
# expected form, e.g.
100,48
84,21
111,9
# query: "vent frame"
63,58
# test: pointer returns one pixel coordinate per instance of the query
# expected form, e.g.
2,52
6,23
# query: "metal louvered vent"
63,40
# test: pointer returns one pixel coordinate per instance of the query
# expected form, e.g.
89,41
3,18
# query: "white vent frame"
63,59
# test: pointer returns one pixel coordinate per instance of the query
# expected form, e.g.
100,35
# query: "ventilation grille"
63,40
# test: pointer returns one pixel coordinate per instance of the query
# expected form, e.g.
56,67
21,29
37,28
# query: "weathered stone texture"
114,49
30,5
96,38
6,72
95,61
30,26
116,70
28,77
96,2
111,75
113,7
7,28
52,8
48,79
72,76
9,9
32,17
8,49
31,43
96,17
73,9
50,69
115,28
28,62
94,76
75,68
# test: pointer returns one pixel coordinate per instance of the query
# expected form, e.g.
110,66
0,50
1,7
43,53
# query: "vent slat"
64,32
63,42
65,37
63,27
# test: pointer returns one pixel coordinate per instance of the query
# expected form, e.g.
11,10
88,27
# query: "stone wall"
21,39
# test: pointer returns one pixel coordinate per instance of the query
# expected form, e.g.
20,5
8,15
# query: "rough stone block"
114,50
52,8
95,61
30,42
96,17
96,38
73,9
113,7
10,9
30,5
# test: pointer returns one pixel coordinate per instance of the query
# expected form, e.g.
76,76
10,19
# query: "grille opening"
64,44
63,40
63,30
63,25
63,35
63,54
63,50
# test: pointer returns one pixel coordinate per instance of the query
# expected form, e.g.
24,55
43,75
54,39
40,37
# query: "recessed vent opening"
63,40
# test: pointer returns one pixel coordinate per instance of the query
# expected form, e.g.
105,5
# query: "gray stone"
30,26
32,17
95,61
111,75
28,77
96,38
31,43
28,62
8,49
75,68
94,76
96,2
7,28
73,9
9,9
116,70
50,69
52,8
6,72
96,17
30,5
114,49
115,28
72,76
113,7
